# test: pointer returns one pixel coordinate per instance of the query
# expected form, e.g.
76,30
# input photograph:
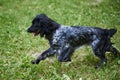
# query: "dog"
64,40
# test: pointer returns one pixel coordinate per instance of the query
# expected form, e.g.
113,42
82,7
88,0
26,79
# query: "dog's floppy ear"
47,24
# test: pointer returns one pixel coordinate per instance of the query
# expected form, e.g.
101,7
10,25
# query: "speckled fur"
64,40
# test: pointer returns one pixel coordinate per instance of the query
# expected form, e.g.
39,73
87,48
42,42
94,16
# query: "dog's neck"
55,27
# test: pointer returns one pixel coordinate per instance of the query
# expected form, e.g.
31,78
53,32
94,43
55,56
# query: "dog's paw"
97,67
68,60
34,62
101,64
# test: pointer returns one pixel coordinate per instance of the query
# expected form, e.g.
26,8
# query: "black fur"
64,40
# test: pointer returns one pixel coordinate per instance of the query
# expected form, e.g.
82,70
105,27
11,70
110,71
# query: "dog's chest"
59,37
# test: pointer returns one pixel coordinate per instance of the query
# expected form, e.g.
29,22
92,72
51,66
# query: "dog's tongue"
36,32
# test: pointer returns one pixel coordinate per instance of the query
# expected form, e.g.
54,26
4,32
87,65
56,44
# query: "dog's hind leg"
43,56
97,49
114,51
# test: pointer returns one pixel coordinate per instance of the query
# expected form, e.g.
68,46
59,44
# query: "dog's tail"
111,32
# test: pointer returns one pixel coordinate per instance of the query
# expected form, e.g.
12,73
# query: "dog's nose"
28,30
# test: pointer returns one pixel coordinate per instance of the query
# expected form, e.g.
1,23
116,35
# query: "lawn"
18,48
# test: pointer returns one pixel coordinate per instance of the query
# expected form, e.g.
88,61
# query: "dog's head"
42,25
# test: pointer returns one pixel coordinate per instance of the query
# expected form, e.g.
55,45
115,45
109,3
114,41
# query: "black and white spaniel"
64,40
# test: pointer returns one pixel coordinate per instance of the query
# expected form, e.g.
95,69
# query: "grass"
18,48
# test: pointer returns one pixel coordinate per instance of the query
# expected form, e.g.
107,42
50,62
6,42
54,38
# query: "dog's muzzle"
36,32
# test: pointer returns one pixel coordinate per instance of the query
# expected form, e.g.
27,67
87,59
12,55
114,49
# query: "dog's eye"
35,20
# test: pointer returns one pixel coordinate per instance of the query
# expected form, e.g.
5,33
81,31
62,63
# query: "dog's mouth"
36,32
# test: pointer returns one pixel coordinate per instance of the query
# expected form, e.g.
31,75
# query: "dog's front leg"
65,54
43,56
114,51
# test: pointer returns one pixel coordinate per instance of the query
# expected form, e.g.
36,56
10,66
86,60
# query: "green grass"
18,48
